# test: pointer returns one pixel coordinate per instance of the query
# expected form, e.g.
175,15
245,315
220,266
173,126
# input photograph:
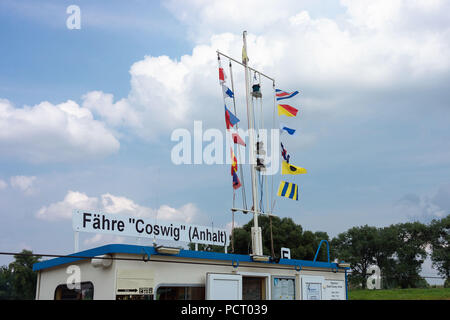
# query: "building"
120,271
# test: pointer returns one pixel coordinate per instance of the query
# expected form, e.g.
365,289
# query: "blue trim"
147,252
318,249
346,285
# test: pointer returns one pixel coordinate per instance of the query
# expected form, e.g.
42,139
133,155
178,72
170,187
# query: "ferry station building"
120,271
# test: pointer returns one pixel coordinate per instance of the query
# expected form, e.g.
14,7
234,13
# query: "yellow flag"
287,168
244,56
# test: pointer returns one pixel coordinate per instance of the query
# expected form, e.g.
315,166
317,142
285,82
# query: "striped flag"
287,110
280,94
236,182
233,162
288,190
284,153
230,118
288,130
227,91
222,75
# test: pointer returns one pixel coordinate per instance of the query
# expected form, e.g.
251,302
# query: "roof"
148,251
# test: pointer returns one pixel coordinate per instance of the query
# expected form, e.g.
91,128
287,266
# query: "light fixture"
260,258
343,264
167,250
103,261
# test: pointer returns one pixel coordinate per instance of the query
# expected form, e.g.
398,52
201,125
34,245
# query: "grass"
400,294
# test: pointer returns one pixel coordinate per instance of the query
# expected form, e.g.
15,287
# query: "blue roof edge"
235,259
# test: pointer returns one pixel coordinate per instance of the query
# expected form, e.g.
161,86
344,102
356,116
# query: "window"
180,293
85,292
253,288
283,288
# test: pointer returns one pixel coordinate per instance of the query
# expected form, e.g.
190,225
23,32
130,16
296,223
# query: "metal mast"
256,230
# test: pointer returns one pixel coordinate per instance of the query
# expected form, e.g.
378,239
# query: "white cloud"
53,133
367,49
63,209
23,183
101,239
109,203
3,184
426,207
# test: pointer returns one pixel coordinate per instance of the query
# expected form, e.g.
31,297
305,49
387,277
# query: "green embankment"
400,294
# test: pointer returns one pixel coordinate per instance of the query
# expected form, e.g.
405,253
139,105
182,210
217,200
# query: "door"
223,286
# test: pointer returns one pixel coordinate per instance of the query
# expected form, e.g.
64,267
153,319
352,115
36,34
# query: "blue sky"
87,114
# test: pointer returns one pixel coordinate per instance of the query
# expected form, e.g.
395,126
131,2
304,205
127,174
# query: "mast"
256,230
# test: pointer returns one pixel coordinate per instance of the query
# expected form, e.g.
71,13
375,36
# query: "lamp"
343,264
260,258
167,250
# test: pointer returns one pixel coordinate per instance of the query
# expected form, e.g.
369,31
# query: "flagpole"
256,230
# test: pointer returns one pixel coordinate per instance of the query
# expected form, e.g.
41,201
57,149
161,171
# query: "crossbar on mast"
222,54
252,211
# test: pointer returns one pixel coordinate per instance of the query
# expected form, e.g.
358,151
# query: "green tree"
285,233
5,283
358,247
411,241
440,246
23,278
384,252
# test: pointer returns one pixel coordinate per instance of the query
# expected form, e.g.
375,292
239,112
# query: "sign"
334,290
98,222
285,253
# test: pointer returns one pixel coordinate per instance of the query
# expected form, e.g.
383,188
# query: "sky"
86,115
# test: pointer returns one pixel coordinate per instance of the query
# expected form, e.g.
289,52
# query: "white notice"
313,291
335,290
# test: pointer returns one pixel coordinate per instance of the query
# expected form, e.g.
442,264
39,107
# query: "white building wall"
184,271
102,279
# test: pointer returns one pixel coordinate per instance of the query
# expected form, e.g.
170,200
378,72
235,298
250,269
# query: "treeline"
399,250
18,280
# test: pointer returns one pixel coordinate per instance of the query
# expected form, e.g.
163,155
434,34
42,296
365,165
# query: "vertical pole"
256,231
76,240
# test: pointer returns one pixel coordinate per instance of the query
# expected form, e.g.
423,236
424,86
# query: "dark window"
85,292
253,288
180,293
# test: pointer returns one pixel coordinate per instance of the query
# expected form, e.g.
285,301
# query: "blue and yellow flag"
288,190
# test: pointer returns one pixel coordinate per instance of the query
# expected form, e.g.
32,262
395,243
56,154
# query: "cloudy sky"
86,115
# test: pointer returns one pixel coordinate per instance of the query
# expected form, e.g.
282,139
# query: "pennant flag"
236,182
238,140
288,130
227,91
287,110
284,154
280,94
288,190
287,168
222,75
244,56
230,118
233,162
